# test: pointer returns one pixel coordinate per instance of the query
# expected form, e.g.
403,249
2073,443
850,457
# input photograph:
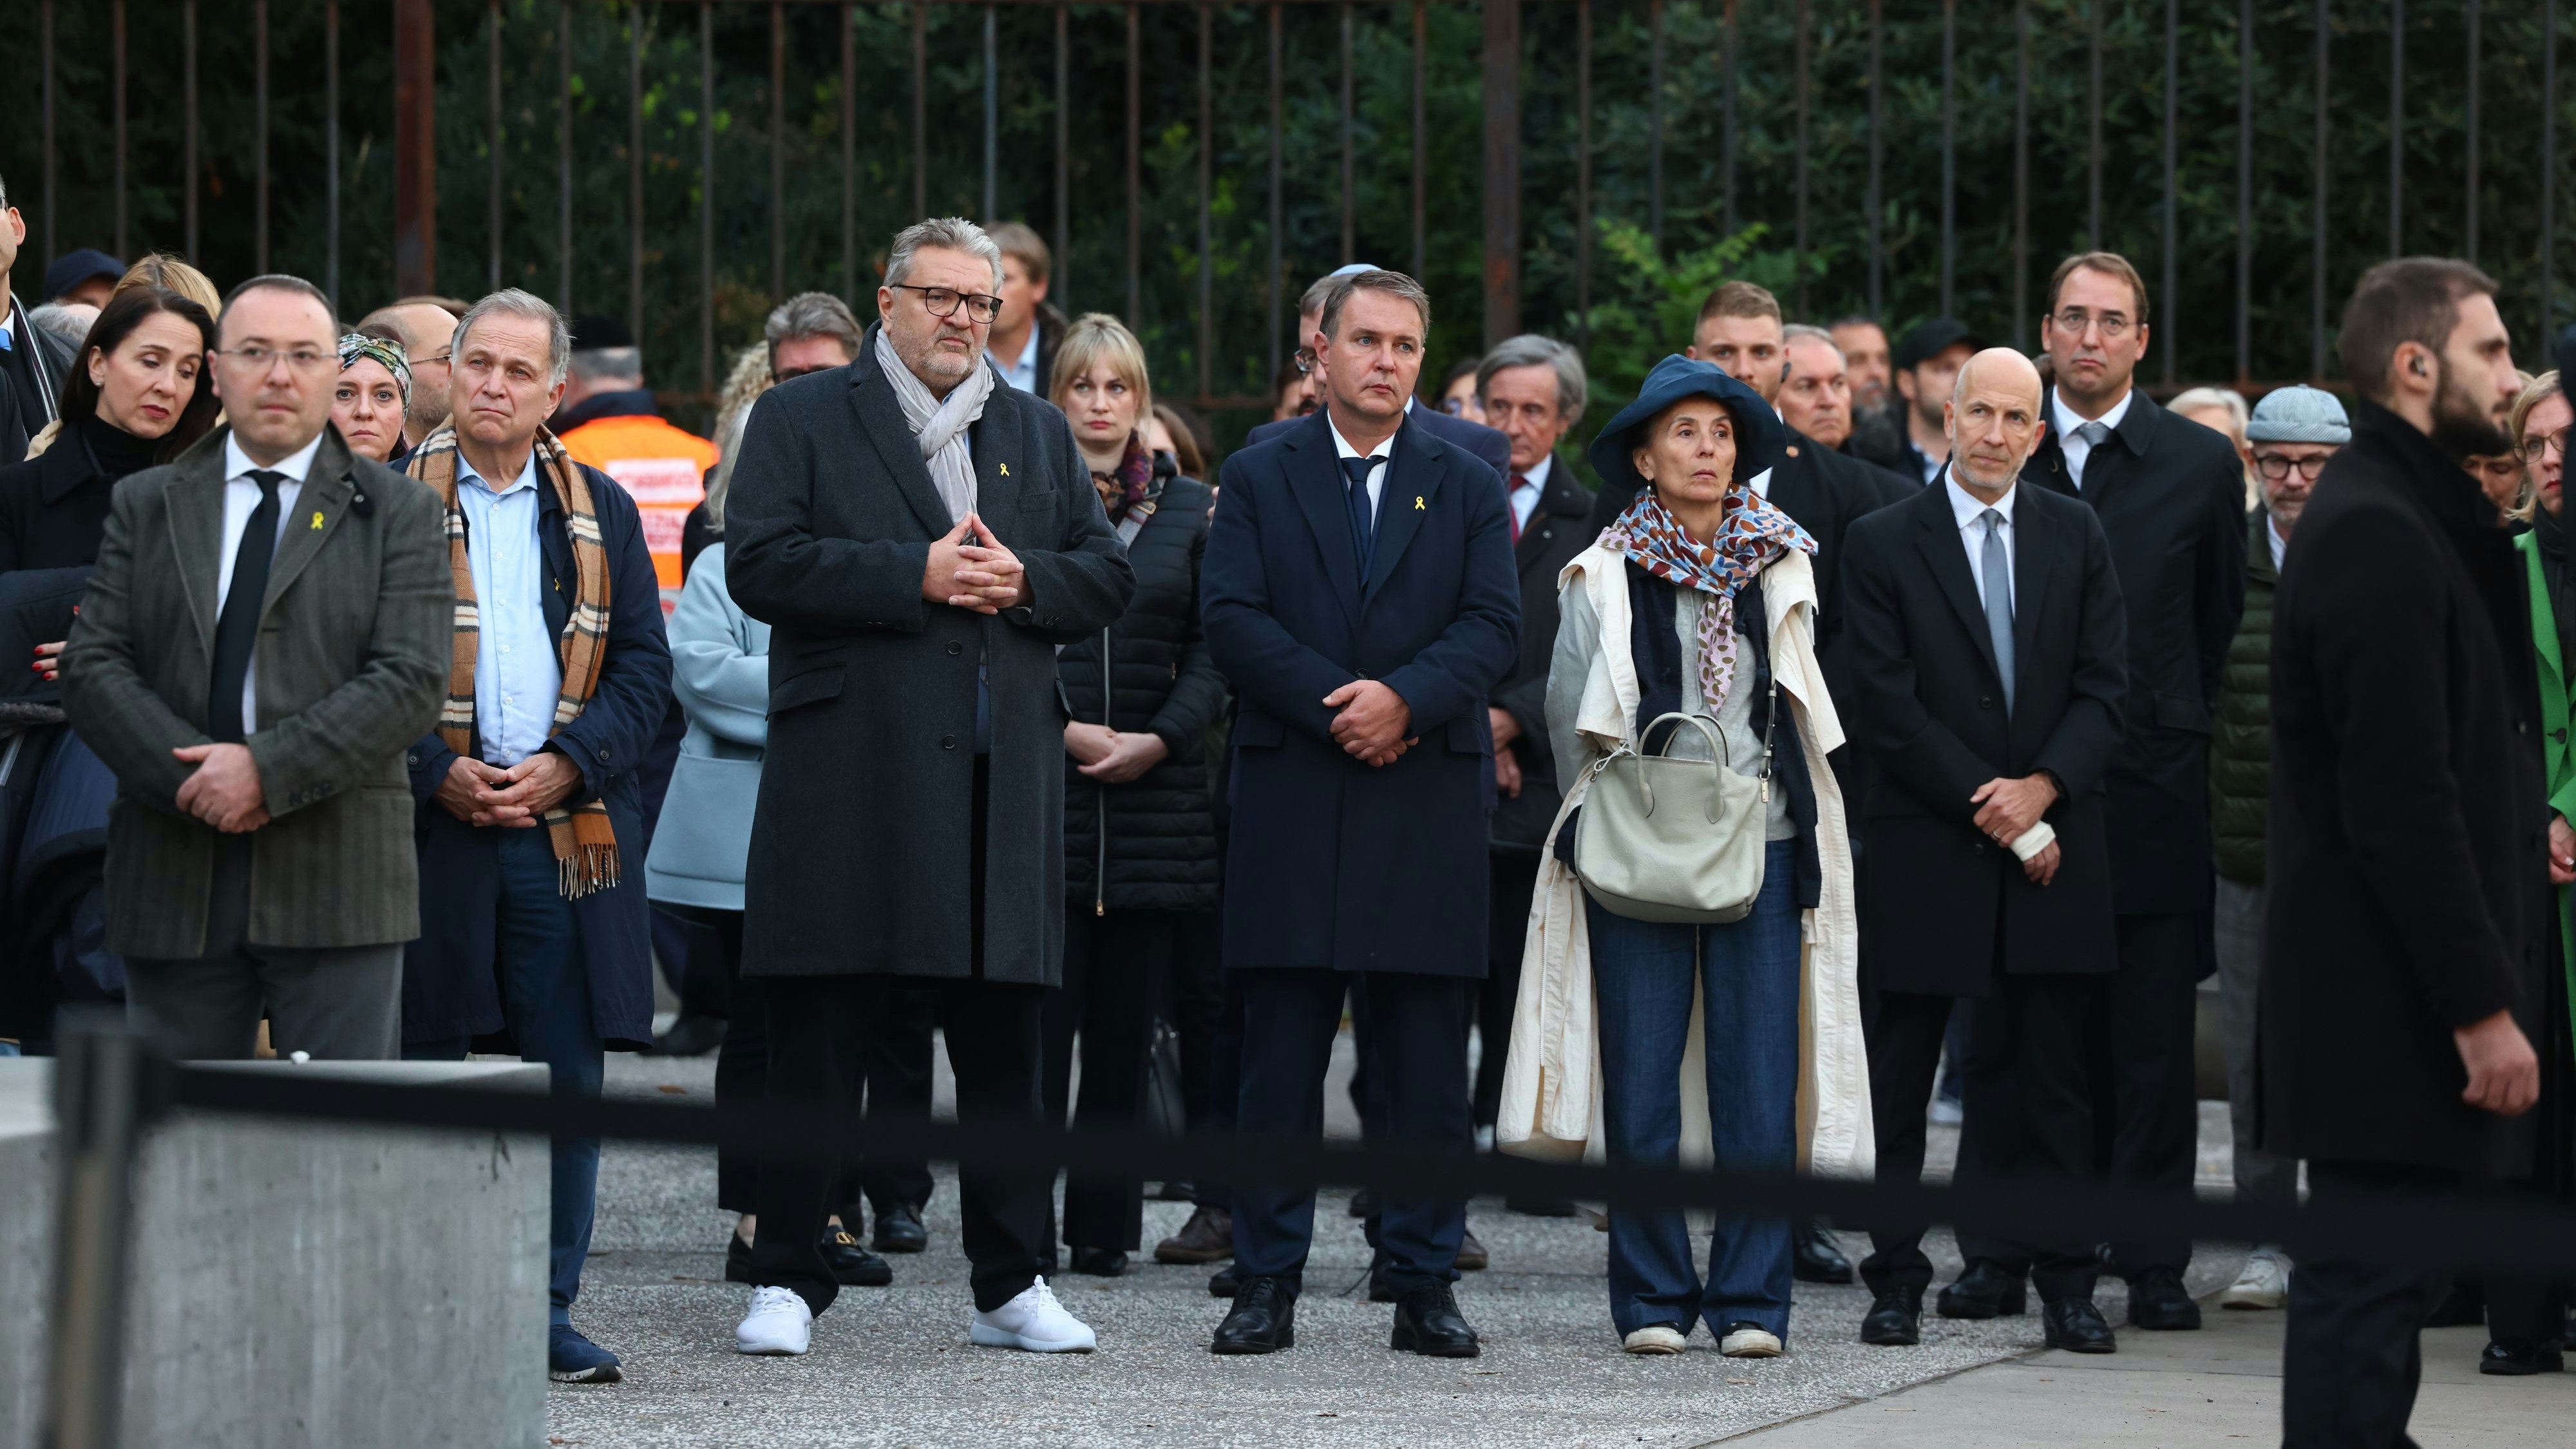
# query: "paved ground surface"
892,1366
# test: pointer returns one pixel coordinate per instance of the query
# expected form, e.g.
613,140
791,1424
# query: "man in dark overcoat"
2171,496
1359,592
1985,630
920,536
2406,941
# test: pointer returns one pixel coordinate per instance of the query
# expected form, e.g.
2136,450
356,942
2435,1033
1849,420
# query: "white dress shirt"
2272,535
1972,533
241,499
2076,449
1524,501
1376,476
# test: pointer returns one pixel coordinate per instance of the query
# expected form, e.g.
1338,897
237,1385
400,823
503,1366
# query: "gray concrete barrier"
297,1284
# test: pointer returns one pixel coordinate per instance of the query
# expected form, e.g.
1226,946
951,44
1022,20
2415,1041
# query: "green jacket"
2557,755
2240,752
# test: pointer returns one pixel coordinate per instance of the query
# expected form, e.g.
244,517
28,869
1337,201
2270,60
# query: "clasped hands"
485,794
224,790
1110,756
969,569
2007,811
1373,722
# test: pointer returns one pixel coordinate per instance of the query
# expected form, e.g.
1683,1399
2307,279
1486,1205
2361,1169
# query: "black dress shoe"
1427,1322
1222,1283
1099,1262
1540,1207
2157,1300
1895,1319
1363,1203
1472,1257
737,1259
1985,1290
2533,1356
2076,1326
689,1036
852,1265
1819,1259
1208,1237
1176,1192
899,1229
1263,1319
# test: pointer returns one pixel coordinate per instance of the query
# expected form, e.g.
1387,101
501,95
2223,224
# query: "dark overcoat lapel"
196,504
1414,474
1315,478
881,422
1948,560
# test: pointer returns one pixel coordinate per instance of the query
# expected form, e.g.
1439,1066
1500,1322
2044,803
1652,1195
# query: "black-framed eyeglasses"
943,302
2075,319
2277,466
2535,444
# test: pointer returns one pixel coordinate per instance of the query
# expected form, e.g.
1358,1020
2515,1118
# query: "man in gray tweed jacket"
268,629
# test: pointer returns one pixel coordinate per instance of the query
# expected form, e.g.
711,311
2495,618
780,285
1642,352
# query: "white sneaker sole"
1755,1349
766,1347
984,1335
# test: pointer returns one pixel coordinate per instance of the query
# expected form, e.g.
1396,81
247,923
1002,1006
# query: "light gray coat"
720,670
355,632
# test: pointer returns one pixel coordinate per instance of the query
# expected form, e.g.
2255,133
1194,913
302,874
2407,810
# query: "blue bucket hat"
1759,437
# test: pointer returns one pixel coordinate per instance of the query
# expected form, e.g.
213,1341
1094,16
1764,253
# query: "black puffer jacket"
2240,751
1159,851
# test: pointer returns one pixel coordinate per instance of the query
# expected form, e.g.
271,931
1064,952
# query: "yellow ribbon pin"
1417,503
1006,470
317,519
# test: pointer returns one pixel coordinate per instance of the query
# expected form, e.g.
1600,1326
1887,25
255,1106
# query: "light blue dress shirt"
517,674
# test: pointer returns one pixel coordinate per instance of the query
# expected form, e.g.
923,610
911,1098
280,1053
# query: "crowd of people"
407,689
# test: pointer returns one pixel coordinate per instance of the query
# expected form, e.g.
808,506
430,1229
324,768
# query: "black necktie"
1363,516
237,628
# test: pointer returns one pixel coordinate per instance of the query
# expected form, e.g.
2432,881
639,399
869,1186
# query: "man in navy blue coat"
1359,591
1485,443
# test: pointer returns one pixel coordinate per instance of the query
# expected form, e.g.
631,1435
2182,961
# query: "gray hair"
528,306
64,321
608,364
1531,350
2226,399
955,233
1812,333
1394,284
811,314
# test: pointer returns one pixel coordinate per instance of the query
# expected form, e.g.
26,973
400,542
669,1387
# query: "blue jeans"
545,995
1643,972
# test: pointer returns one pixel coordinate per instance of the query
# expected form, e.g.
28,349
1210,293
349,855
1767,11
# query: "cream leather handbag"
1680,841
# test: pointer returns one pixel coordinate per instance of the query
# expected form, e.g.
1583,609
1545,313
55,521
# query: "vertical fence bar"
117,39
1278,261
1503,168
1061,282
1207,191
1655,122
2477,37
635,171
1877,145
1135,184
1582,170
2396,127
2021,174
1350,147
777,152
849,156
2093,130
1949,152
45,62
707,199
920,109
1798,287
2168,343
992,113
416,146
1726,118
188,140
563,156
259,124
2317,216
493,90
2244,192
330,153
2548,166
1422,132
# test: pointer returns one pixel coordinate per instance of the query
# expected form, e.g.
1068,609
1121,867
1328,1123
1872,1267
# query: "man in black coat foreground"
2406,940
1986,636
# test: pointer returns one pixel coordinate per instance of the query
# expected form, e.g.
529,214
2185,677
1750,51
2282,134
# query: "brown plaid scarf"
585,844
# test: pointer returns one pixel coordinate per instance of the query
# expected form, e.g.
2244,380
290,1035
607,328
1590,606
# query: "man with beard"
427,330
2404,948
1877,431
1927,367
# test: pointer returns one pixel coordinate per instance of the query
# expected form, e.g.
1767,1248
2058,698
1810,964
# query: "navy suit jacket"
1478,440
1342,865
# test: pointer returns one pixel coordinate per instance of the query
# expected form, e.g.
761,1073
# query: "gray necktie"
2094,434
1997,569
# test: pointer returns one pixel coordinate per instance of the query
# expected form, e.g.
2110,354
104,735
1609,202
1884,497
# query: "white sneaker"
2265,1283
1655,1338
1750,1342
1034,1321
779,1322
1945,1113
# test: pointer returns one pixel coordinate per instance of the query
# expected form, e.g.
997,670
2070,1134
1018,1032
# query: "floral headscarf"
1753,535
355,346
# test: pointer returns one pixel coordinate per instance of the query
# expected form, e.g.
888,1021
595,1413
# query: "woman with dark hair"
374,389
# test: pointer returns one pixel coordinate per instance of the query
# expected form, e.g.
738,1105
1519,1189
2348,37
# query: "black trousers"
2147,1118
995,1041
1113,965
1515,880
1225,1083
2353,1353
1196,1006
2025,1078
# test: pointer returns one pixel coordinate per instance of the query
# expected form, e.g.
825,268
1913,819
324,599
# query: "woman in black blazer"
1139,832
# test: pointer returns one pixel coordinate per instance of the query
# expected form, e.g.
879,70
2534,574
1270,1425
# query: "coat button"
955,648
948,742
1985,701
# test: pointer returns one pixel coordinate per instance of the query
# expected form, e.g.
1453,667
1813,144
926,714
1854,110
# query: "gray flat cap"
2299,415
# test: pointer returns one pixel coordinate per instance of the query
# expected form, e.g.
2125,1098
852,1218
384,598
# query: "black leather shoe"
1176,1192
1985,1290
1222,1283
2157,1300
1540,1207
1472,1256
1895,1319
852,1265
737,1259
1208,1237
1363,1203
899,1230
1427,1322
2076,1326
1099,1262
689,1036
1819,1259
1263,1319
2535,1356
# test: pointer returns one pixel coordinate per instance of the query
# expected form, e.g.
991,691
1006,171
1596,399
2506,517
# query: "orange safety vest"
662,467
